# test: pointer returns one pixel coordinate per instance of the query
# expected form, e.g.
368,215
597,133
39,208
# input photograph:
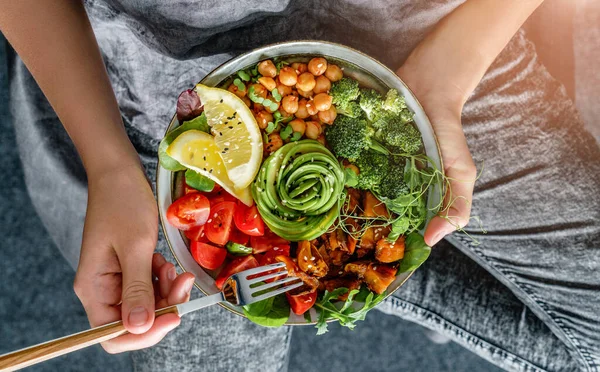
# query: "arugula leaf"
167,162
307,317
198,181
272,312
416,252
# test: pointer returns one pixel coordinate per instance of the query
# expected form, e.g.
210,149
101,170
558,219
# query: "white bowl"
365,69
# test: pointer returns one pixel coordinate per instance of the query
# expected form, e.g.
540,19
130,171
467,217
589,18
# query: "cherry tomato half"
302,302
237,236
235,266
189,211
187,189
269,257
220,196
208,256
218,225
261,244
196,234
248,221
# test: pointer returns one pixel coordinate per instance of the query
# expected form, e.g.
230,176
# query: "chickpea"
247,101
302,112
305,94
334,73
257,107
290,104
298,125
323,85
234,89
284,114
328,116
260,90
322,140
323,101
311,108
268,83
288,76
306,81
273,143
263,118
267,68
317,66
313,129
299,67
284,90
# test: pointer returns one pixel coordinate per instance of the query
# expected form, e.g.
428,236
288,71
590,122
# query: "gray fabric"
538,195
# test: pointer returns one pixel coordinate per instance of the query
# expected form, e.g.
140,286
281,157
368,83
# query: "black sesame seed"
220,134
226,149
204,157
210,171
221,101
230,127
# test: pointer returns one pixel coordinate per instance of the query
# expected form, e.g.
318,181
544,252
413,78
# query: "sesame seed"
305,258
209,220
340,273
230,160
309,266
226,143
312,258
374,267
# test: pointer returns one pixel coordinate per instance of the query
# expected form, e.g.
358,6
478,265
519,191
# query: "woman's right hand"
115,275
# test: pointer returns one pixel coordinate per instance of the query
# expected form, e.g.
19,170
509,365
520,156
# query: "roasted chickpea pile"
290,101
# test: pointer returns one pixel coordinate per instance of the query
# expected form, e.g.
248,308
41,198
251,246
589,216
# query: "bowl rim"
266,48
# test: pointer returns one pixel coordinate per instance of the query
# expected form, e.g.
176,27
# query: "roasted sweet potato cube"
377,276
389,252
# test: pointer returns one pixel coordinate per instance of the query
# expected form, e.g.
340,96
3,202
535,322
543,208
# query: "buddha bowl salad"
297,163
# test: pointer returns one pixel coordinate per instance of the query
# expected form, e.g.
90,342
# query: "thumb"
137,308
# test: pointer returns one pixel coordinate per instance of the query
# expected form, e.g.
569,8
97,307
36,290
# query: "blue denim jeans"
538,195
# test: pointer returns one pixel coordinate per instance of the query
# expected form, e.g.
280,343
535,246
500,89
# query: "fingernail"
190,285
138,316
172,273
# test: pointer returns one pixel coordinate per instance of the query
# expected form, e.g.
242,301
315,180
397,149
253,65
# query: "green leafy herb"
307,317
276,95
296,136
165,160
286,132
254,70
198,181
280,64
238,83
351,177
243,75
416,252
399,227
271,126
272,312
253,96
270,104
347,315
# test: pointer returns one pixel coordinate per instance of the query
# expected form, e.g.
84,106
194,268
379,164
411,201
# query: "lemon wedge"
197,150
236,133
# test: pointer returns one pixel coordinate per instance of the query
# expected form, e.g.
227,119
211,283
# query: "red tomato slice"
218,225
248,220
237,236
187,189
208,256
235,266
301,303
220,196
189,211
269,257
261,244
196,234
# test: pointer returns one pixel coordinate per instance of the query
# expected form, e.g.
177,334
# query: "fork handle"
60,346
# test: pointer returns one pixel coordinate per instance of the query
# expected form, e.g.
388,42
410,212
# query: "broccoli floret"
371,102
373,166
394,102
344,91
348,137
392,186
401,137
351,109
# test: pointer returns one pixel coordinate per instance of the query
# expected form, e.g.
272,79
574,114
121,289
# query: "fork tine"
274,284
262,269
277,292
278,274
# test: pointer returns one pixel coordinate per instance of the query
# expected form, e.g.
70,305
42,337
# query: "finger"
166,275
181,289
157,262
137,309
457,203
162,325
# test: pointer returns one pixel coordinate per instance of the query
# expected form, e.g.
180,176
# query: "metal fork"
240,289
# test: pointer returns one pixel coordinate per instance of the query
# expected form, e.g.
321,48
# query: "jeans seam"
534,299
464,337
